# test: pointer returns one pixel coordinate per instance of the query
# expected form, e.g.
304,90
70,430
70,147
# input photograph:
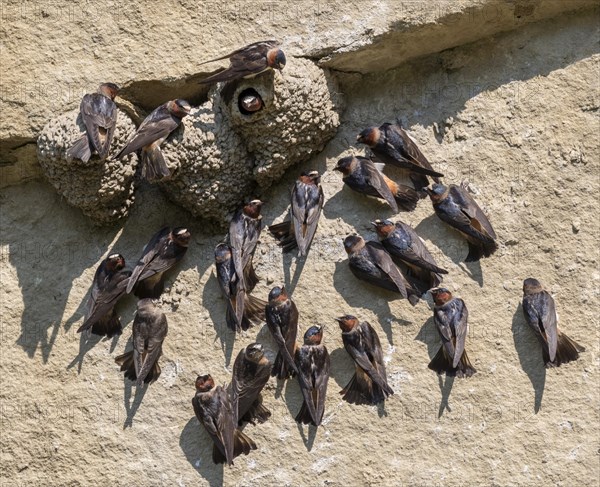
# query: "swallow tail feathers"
242,443
567,350
285,234
362,390
154,166
80,149
128,366
108,325
442,364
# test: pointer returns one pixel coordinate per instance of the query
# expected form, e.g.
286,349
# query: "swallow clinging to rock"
215,410
540,313
152,132
165,249
253,311
251,371
249,61
99,115
369,382
450,316
312,360
454,205
149,331
110,283
244,231
307,202
370,262
364,176
281,315
392,145
406,247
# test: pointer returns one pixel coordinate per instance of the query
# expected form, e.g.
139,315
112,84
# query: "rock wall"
514,111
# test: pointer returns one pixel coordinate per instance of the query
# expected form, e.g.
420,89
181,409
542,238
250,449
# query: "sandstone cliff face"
503,94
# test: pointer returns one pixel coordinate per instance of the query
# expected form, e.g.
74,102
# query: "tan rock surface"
515,114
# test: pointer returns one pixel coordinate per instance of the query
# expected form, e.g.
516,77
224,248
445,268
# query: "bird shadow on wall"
530,356
428,334
451,244
356,209
360,294
216,306
197,447
47,261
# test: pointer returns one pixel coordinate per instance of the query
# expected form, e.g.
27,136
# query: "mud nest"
103,190
224,151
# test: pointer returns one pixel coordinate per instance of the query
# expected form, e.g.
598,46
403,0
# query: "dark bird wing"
383,260
243,238
153,347
286,344
400,146
478,219
243,62
245,387
307,202
104,296
158,125
375,179
322,365
365,348
451,321
99,115
540,313
413,250
149,255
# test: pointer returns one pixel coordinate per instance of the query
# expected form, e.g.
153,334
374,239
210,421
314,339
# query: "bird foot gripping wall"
102,189
220,153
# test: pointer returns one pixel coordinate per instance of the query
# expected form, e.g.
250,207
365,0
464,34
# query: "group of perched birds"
399,262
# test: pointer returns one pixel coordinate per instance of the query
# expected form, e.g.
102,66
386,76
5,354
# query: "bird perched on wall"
249,61
149,331
153,131
282,319
99,115
253,307
165,249
540,314
369,382
450,317
312,360
110,283
251,371
406,248
307,202
455,206
391,144
214,409
370,262
244,231
364,176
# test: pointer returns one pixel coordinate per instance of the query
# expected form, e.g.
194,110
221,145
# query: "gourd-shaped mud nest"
102,189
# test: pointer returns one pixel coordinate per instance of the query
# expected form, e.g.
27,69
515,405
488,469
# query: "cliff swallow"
450,317
364,176
405,246
214,409
312,360
369,383
282,319
370,262
249,61
540,313
153,131
307,202
149,331
251,103
253,308
244,231
251,371
391,144
455,206
165,249
109,286
99,115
